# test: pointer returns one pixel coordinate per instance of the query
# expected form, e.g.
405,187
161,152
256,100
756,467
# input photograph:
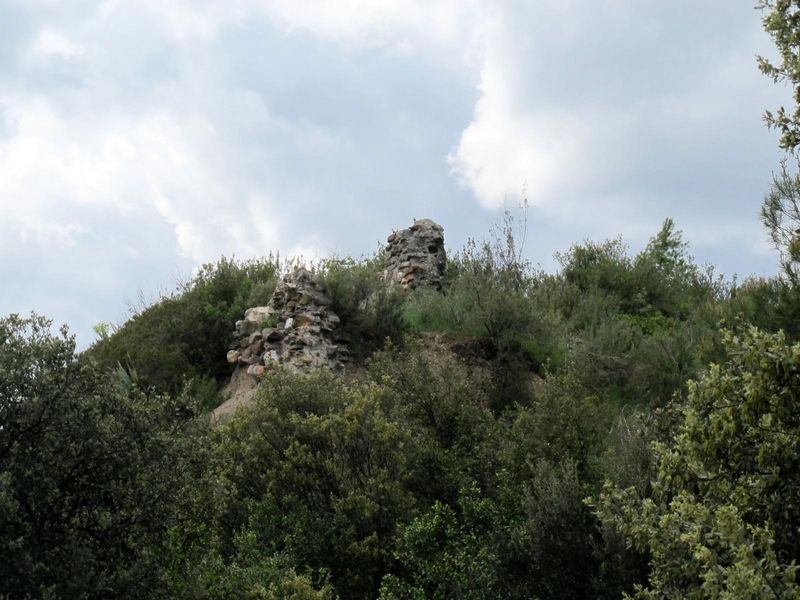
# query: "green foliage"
449,553
534,541
779,211
770,304
724,514
486,294
781,21
455,433
102,330
370,313
485,290
186,335
317,471
564,423
593,266
633,325
661,280
433,311
553,544
780,214
90,471
457,469
196,571
494,286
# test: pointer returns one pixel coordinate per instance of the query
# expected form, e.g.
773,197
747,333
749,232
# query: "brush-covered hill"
450,454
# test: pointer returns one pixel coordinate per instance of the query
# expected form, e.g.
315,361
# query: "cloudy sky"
141,138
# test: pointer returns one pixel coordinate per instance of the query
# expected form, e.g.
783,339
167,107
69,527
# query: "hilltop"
420,423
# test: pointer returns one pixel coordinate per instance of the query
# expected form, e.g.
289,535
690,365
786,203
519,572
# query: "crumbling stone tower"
415,256
297,329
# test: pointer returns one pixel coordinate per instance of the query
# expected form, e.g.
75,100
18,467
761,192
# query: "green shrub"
196,571
186,335
553,544
449,553
722,518
91,470
565,422
447,408
603,266
369,312
318,472
770,304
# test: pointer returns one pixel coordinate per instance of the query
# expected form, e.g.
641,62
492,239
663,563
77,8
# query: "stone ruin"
415,256
297,329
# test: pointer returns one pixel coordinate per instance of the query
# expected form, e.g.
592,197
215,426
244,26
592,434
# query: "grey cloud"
334,143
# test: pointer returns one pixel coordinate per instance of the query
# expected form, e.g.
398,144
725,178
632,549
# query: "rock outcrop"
297,329
415,256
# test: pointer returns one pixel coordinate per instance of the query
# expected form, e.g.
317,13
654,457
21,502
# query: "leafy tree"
455,433
780,214
317,471
534,539
781,21
92,470
552,546
769,304
723,520
196,571
449,553
661,282
631,325
779,211
563,424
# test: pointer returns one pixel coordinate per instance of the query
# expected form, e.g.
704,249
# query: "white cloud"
504,148
38,2
401,26
187,20
185,160
47,232
50,44
167,161
600,114
374,19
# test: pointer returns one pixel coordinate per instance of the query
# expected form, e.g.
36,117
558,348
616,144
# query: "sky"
141,139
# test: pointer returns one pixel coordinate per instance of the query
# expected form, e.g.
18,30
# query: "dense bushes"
630,325
722,518
317,471
370,312
92,471
184,337
456,463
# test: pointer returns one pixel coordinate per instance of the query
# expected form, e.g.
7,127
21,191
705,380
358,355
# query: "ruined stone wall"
297,329
415,256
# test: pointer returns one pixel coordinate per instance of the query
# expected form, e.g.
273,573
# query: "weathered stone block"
303,319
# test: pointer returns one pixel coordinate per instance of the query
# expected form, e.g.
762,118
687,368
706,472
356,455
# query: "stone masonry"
297,329
415,256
